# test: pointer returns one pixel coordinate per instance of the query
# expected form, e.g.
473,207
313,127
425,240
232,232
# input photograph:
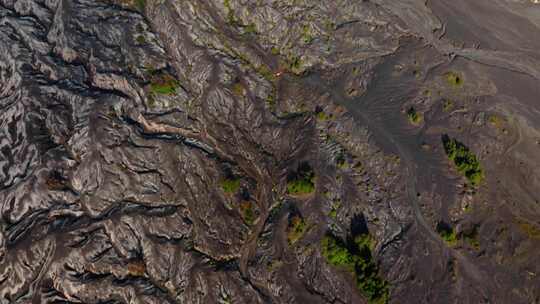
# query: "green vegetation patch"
294,64
448,105
531,230
333,213
447,233
414,117
454,79
341,161
335,208
496,121
355,256
307,36
250,29
321,115
140,39
231,18
141,4
302,181
296,229
271,100
337,254
266,73
248,214
163,84
472,239
230,184
238,89
465,161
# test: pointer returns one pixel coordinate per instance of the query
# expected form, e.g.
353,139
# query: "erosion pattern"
208,151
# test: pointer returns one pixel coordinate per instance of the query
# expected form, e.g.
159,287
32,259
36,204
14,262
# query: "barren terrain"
269,151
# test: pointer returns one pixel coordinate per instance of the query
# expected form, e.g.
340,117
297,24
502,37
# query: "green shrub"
302,186
307,37
163,84
356,257
449,236
531,230
448,105
140,39
266,73
364,243
230,185
296,229
246,208
473,241
341,161
414,117
496,121
141,4
334,211
231,19
454,79
465,161
294,64
271,100
336,253
250,29
471,237
322,116
302,181
447,233
238,89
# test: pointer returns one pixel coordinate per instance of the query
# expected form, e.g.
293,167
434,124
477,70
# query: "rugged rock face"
242,151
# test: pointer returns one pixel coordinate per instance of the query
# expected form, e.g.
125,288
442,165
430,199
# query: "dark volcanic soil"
205,151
